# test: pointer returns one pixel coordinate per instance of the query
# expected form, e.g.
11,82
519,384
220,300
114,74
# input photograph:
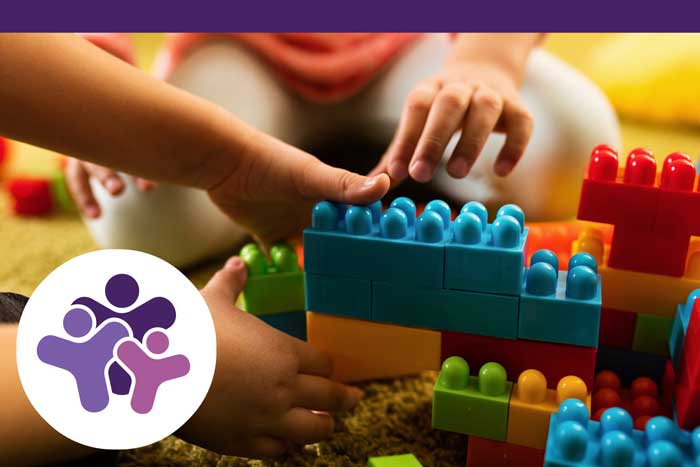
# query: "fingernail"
420,171
92,211
234,263
113,185
356,395
370,182
503,168
459,167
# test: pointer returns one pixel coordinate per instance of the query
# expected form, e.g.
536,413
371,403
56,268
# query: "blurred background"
651,79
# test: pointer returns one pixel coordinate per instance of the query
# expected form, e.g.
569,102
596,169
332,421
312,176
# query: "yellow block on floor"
363,350
531,405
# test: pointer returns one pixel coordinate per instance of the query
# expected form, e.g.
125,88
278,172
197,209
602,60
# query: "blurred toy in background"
35,196
4,155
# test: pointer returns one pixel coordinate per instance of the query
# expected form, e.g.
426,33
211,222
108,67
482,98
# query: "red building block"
687,406
617,328
689,365
554,360
652,252
483,452
30,197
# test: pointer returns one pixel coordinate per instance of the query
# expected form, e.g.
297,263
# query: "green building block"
274,286
472,405
402,460
61,196
651,334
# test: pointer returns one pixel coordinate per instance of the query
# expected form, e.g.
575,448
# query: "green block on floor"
402,460
651,334
274,286
472,405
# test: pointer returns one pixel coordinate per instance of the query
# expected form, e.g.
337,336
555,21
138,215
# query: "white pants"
181,225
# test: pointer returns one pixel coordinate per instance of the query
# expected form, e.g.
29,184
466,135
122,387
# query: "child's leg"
180,224
571,116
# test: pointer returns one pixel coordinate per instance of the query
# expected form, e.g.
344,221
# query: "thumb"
321,181
228,281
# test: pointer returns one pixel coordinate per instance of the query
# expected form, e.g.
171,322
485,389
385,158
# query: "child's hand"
267,387
475,98
78,175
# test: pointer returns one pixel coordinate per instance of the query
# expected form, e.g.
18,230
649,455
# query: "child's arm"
60,92
269,391
475,93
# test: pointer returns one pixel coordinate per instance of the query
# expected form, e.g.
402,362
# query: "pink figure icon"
149,373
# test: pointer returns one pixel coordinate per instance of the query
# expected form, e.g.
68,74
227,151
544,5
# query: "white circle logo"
116,349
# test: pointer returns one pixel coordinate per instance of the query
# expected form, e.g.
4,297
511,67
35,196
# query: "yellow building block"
532,403
640,292
363,350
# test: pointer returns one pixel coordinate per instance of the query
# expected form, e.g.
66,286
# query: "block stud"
284,258
678,173
572,439
394,224
571,387
358,220
254,259
512,210
492,379
430,228
574,410
376,210
640,168
468,228
591,241
661,428
695,440
617,449
443,209
583,259
454,373
541,279
545,256
408,207
324,216
581,283
477,209
663,453
506,232
616,419
668,162
603,164
532,387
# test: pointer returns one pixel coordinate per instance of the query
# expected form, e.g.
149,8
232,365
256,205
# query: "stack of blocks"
274,291
684,347
39,196
400,292
574,440
650,264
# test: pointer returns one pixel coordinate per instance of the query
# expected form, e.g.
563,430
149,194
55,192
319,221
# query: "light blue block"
483,257
453,310
573,440
680,327
290,322
342,296
561,307
364,243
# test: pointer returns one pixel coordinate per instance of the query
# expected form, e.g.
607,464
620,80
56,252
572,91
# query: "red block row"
554,360
485,452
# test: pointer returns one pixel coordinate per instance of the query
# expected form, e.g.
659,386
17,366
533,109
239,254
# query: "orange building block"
363,350
531,405
640,292
483,452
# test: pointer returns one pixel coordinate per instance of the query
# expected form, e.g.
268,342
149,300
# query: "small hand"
78,175
270,390
474,98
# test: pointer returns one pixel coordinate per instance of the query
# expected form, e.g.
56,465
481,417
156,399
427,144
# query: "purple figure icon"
87,360
122,291
149,373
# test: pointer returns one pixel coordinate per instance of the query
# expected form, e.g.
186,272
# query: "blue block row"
342,296
574,440
431,250
290,322
680,328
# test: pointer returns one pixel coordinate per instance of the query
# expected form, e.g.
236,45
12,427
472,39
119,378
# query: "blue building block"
453,310
680,328
342,296
290,322
574,440
484,257
472,405
364,243
561,307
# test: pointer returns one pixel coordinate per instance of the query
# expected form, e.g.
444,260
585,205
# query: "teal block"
402,460
291,322
342,296
483,257
364,243
472,405
561,307
453,310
